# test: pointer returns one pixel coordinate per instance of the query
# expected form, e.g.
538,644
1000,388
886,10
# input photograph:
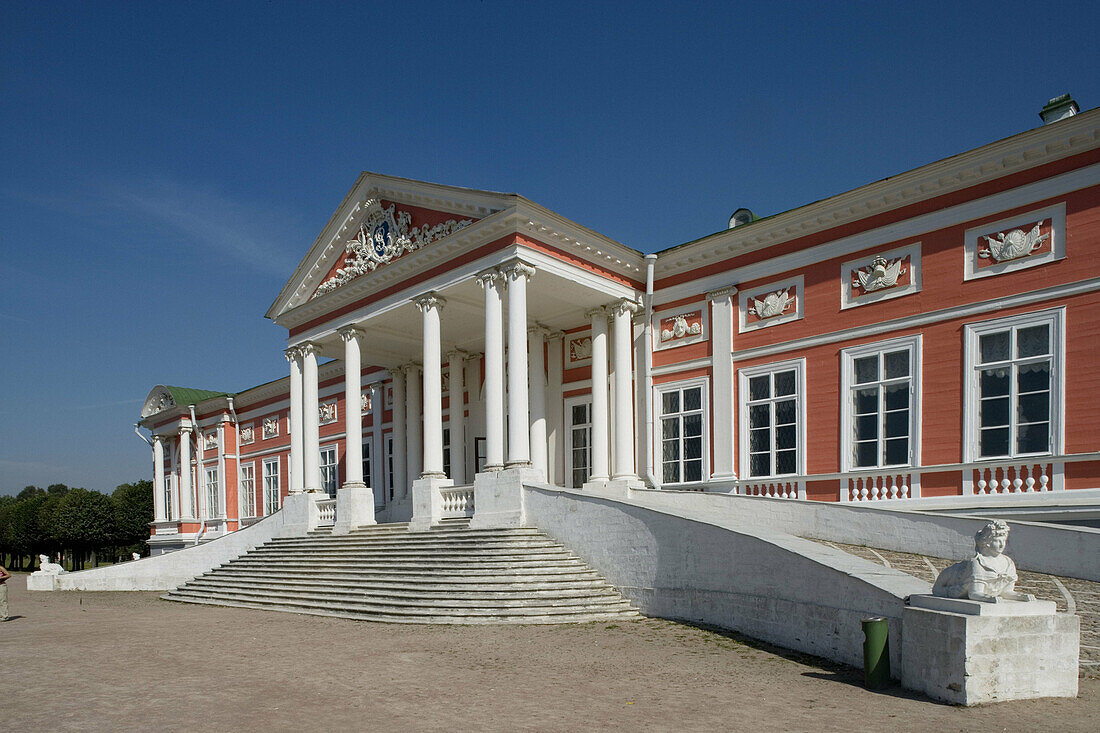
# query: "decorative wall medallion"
679,327
580,351
383,236
210,441
247,434
779,302
364,400
1016,243
881,276
271,427
327,412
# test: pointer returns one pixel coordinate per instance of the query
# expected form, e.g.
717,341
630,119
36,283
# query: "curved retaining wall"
769,585
1044,548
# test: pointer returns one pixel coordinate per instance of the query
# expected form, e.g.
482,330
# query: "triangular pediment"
381,220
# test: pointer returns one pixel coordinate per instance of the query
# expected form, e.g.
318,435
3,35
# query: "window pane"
580,414
784,437
1033,407
759,388
897,396
866,427
1033,438
785,462
994,347
994,382
693,425
670,427
670,402
693,448
897,451
1033,377
671,473
784,412
897,424
867,401
759,465
693,471
759,440
1033,341
993,442
896,364
784,384
866,454
866,369
670,450
995,412
759,416
693,398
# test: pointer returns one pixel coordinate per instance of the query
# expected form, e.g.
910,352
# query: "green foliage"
29,492
85,520
133,510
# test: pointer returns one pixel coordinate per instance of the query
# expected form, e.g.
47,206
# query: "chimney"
1059,108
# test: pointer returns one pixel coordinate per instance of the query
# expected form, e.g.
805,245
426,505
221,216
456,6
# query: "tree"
133,511
85,521
30,492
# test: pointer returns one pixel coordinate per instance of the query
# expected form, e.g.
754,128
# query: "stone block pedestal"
427,502
498,497
354,508
968,652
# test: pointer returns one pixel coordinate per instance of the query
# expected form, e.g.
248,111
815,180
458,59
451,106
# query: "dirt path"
128,661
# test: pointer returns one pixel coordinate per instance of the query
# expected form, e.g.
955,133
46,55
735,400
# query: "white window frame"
570,403
368,466
743,377
212,483
273,490
335,465
389,467
1056,319
658,431
248,490
847,385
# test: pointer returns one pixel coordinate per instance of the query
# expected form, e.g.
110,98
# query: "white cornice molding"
1042,145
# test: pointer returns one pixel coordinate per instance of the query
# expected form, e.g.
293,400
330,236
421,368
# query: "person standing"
4,575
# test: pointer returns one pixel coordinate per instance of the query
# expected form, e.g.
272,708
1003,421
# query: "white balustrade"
877,487
458,501
1015,478
773,489
326,511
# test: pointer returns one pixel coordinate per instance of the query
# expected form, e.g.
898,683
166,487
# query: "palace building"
925,337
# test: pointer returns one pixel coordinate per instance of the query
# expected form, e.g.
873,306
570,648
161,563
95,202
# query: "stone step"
439,563
468,555
450,535
398,542
397,576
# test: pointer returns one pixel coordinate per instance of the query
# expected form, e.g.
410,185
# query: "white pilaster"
493,283
623,313
377,447
519,427
159,507
414,427
297,467
353,410
536,380
600,464
187,495
399,433
311,419
555,418
456,367
722,316
430,306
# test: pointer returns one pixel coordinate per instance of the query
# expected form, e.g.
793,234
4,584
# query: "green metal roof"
187,396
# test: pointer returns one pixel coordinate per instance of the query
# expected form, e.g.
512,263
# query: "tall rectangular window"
772,419
212,503
389,465
880,403
366,463
580,442
1013,385
330,475
683,418
271,486
248,490
447,451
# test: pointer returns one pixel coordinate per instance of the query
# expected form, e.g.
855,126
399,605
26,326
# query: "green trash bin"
876,652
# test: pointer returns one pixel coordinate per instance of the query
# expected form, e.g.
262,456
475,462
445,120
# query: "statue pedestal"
39,580
969,652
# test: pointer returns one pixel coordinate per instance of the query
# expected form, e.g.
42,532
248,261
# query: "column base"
354,507
490,469
427,503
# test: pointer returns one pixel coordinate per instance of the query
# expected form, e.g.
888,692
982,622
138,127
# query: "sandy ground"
128,661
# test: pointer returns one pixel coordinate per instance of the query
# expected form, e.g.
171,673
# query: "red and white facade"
931,335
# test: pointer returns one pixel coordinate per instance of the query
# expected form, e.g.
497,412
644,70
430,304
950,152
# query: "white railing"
1017,477
458,501
781,488
879,487
326,511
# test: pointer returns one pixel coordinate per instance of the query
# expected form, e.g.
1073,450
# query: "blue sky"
163,166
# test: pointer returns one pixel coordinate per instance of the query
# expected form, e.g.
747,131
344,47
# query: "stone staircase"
448,575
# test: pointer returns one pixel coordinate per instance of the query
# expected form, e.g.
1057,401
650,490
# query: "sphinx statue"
989,576
48,568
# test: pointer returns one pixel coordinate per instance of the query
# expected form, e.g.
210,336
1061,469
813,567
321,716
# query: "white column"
311,419
400,452
160,510
456,366
623,313
377,447
519,427
187,495
555,418
297,469
536,381
722,316
414,435
600,465
353,409
430,306
493,283
472,372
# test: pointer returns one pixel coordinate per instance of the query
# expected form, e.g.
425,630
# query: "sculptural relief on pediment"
880,276
1016,243
771,304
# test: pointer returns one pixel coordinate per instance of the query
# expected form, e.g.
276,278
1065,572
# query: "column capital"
600,310
292,353
350,332
185,429
408,367
456,354
621,306
158,438
488,278
553,335
721,293
538,328
426,302
307,348
516,269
